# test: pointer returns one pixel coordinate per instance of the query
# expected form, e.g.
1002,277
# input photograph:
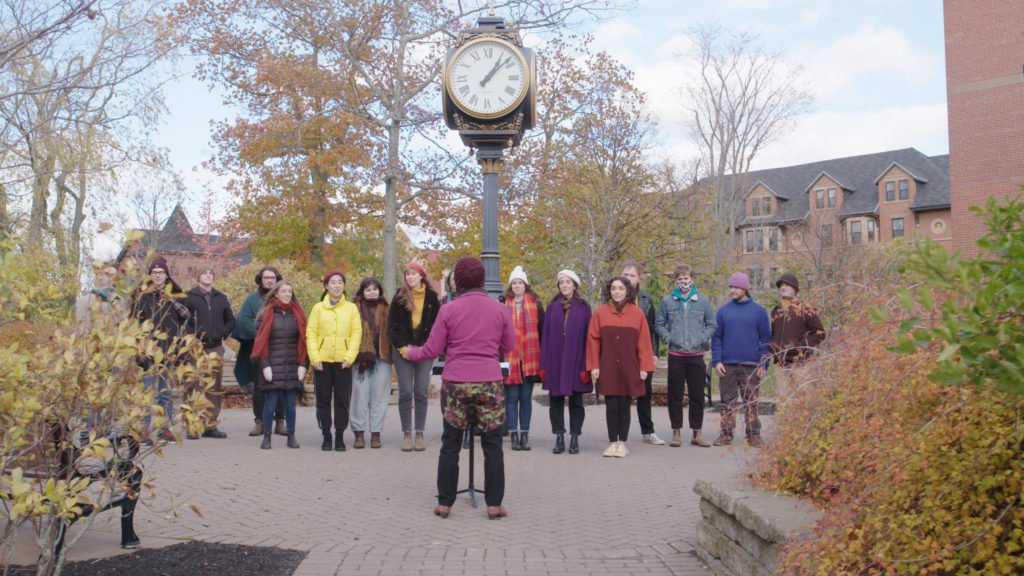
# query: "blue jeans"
162,379
289,409
371,391
519,406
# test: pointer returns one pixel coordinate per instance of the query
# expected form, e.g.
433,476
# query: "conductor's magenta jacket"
474,329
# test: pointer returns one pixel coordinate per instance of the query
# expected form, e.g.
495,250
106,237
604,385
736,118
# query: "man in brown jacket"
796,330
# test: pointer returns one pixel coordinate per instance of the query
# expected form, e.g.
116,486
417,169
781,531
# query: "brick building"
985,96
817,212
184,249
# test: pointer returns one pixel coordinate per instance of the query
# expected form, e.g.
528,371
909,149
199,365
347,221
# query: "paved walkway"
368,512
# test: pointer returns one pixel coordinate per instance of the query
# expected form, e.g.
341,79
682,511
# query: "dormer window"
767,208
819,198
755,207
904,190
890,191
831,197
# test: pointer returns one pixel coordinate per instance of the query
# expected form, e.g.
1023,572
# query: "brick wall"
985,85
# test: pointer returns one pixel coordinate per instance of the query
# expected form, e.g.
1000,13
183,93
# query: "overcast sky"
878,70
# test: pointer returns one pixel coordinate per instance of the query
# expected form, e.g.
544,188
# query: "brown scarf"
374,321
260,348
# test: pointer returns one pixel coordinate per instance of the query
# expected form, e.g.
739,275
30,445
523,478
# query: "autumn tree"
739,98
80,86
583,190
365,77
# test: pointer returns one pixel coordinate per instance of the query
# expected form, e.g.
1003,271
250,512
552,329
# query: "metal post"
491,161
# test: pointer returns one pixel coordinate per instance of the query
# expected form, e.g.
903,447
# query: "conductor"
474,329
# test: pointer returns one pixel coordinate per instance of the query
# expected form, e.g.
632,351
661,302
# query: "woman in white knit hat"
563,358
524,361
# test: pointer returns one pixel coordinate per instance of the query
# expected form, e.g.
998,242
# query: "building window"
904,190
855,232
897,228
755,207
871,230
759,240
890,191
826,235
750,241
756,276
773,239
831,197
767,209
819,198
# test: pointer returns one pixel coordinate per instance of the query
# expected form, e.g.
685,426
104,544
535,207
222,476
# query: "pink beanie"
739,280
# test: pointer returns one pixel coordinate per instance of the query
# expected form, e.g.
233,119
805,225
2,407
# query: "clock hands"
490,74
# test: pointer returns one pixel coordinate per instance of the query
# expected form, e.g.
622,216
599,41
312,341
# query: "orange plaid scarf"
525,359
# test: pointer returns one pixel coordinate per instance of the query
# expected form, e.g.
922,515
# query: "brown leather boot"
375,440
698,439
407,442
359,443
420,447
677,439
280,429
257,430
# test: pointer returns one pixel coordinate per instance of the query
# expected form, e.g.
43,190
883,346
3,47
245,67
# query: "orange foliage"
914,477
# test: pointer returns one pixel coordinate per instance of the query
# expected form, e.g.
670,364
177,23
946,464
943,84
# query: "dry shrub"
914,477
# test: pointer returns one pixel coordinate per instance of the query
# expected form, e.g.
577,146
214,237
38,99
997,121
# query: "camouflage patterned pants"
740,388
479,403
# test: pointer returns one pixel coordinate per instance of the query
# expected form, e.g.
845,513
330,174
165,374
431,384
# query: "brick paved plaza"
368,512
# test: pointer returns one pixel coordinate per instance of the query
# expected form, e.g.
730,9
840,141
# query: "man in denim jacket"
686,321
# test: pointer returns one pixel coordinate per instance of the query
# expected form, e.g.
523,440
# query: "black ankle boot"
266,442
515,441
559,443
524,440
339,442
328,440
574,444
292,442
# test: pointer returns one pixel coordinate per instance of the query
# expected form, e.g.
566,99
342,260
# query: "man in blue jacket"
740,353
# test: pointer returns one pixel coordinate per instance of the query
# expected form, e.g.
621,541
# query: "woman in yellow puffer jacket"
333,334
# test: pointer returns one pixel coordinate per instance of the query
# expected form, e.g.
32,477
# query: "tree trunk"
391,206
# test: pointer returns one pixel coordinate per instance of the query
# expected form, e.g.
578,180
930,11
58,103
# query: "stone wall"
741,527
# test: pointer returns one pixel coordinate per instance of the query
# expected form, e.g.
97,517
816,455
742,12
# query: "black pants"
576,414
688,372
448,466
617,413
643,408
334,381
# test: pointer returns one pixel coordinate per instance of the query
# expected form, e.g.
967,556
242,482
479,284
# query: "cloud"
827,135
871,54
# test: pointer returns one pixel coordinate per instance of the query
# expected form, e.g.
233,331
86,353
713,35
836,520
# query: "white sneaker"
653,439
620,450
610,450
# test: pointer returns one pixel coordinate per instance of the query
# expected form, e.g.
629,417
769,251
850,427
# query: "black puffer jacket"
282,352
400,321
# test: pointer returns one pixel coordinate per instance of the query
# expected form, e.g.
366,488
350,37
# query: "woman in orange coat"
619,357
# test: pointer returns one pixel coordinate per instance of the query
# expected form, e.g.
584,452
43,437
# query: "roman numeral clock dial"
487,78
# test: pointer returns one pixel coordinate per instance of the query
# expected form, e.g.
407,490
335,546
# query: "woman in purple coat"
563,359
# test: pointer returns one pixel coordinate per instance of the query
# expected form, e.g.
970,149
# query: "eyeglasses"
158,272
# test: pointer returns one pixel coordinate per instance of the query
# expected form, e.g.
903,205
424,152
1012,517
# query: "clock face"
487,78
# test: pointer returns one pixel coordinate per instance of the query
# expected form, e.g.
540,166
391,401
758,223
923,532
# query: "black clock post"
489,97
